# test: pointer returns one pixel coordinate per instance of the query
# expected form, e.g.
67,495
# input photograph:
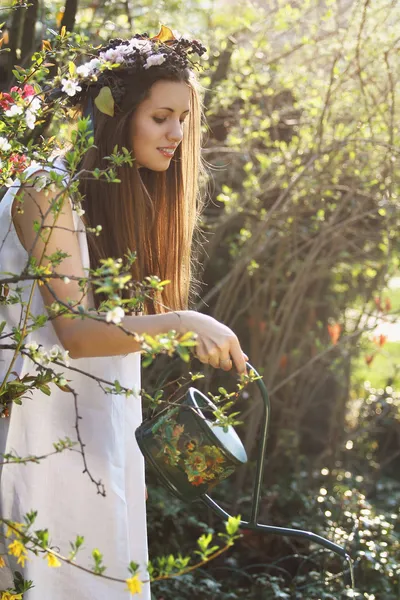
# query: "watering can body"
187,450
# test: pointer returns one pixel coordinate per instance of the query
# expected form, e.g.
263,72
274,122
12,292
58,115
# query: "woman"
149,104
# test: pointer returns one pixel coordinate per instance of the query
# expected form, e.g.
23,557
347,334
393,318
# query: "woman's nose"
176,131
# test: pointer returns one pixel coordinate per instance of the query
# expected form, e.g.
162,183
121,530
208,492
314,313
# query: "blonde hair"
154,214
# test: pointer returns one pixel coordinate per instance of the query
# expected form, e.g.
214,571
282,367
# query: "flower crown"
140,53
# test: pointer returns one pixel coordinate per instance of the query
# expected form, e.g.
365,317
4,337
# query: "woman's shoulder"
55,163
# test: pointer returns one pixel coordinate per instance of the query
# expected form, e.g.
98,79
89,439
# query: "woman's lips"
166,152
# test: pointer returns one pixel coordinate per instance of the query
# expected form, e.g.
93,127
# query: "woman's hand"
217,345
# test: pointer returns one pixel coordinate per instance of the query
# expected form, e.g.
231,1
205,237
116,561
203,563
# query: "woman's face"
157,124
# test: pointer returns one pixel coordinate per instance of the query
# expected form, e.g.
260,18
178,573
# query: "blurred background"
300,257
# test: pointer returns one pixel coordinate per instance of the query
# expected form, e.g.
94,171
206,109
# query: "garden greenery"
303,145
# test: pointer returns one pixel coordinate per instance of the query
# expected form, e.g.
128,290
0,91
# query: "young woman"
155,113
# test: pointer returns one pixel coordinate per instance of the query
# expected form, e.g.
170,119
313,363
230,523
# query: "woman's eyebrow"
171,109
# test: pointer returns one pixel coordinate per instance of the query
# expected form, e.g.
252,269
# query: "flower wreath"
140,53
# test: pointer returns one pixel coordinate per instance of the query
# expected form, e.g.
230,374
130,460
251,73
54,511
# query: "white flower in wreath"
113,55
143,45
70,86
93,65
83,70
125,49
154,60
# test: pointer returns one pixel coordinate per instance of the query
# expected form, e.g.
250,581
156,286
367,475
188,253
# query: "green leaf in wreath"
105,101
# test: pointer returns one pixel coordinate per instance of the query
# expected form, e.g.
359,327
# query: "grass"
380,370
386,360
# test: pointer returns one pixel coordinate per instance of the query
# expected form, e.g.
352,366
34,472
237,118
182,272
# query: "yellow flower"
21,559
10,596
16,548
11,529
2,562
52,561
134,585
45,271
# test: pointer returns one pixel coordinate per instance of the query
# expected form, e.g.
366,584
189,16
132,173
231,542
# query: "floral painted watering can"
190,454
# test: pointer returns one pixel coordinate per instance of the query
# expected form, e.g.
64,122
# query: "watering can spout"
284,531
253,523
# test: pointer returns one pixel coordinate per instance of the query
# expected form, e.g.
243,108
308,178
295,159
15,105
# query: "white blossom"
40,183
125,49
32,346
65,357
113,55
30,119
154,60
62,381
79,211
66,280
83,70
115,315
70,86
55,351
34,104
14,110
4,144
143,45
42,357
135,391
93,65
9,182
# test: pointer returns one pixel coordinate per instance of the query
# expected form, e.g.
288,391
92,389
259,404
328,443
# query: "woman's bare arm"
81,337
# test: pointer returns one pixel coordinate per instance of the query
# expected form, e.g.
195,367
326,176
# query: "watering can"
190,454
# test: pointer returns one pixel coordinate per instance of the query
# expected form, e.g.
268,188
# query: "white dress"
66,500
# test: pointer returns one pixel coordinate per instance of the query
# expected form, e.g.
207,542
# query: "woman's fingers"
221,358
201,351
212,353
238,356
225,361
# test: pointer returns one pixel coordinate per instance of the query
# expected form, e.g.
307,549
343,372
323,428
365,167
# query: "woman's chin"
158,168
156,165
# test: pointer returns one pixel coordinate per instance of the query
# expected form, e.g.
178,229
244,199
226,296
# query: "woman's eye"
161,120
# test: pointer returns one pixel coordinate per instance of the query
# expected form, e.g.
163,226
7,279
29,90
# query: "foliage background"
302,144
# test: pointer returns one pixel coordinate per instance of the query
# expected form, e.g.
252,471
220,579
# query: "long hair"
154,214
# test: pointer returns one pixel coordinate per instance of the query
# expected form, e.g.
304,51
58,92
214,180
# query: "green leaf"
232,525
105,101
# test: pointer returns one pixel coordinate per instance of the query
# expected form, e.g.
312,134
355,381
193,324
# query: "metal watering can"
190,454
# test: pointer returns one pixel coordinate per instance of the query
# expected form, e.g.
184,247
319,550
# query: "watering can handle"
253,524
